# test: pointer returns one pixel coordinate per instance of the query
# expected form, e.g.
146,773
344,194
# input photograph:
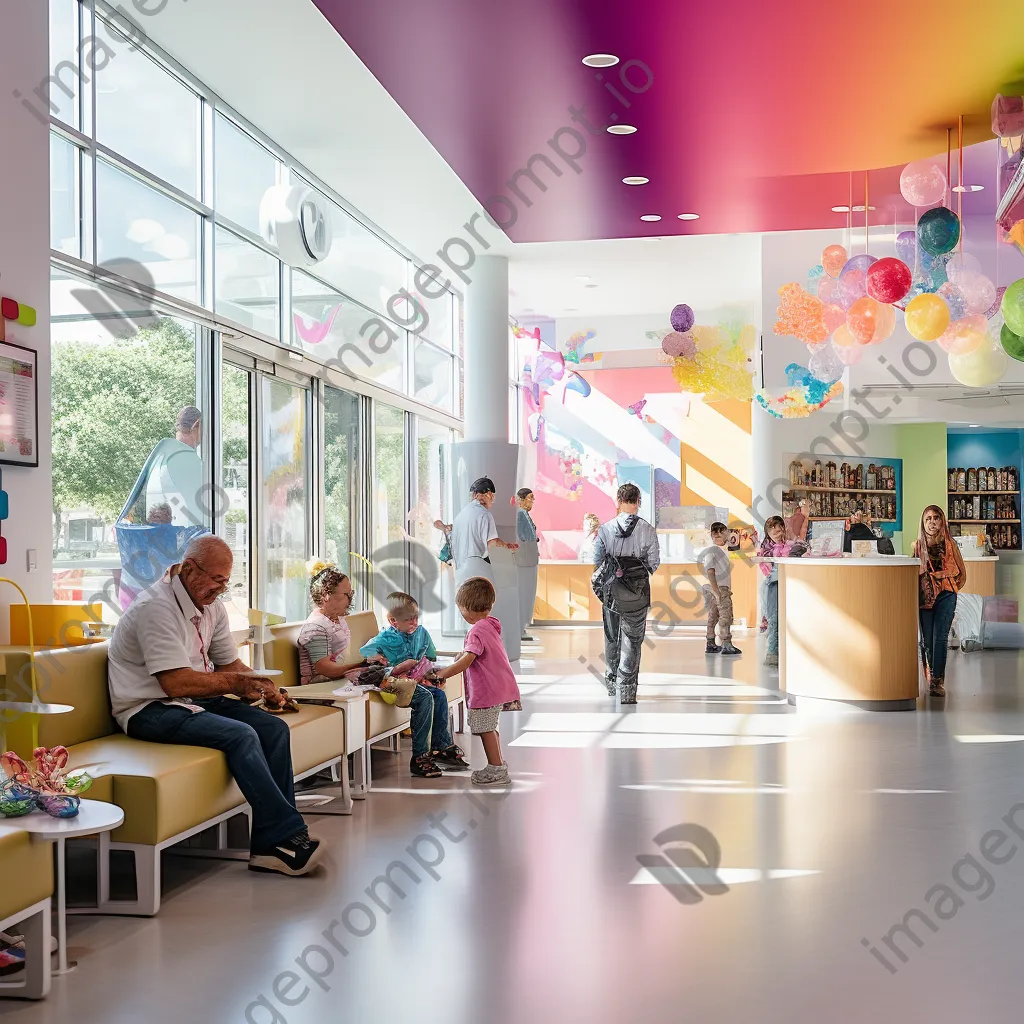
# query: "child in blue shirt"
402,645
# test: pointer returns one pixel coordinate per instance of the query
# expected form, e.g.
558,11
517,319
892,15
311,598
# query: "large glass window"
244,171
64,230
248,284
341,475
234,424
284,532
324,322
64,94
361,264
389,507
116,405
431,482
147,115
433,381
439,321
135,222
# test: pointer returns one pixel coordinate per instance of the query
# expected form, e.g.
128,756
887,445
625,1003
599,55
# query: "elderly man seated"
172,662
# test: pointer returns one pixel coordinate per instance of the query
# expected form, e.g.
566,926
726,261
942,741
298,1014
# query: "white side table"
93,817
353,708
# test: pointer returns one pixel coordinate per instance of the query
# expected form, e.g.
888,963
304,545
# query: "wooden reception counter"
564,594
848,630
981,575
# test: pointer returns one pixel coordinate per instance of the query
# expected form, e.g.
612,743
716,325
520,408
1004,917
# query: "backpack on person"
622,582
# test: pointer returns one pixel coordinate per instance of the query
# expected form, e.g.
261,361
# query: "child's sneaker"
450,759
728,648
423,767
712,648
492,775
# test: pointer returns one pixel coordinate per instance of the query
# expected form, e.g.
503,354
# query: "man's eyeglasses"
221,581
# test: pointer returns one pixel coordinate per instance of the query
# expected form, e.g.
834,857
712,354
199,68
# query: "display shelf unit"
839,519
984,494
985,522
845,490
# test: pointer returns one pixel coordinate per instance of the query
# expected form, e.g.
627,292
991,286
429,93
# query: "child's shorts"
486,719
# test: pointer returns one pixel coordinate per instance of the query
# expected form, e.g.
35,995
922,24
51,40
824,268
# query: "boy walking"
718,590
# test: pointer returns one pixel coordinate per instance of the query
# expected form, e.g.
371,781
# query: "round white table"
93,817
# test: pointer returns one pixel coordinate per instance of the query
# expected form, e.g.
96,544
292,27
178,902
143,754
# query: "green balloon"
1013,307
1013,344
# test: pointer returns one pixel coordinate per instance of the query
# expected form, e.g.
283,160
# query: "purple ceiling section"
491,85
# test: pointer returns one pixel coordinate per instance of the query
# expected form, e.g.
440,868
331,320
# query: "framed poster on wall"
19,411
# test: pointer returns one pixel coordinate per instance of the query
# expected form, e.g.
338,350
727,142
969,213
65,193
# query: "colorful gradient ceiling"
756,113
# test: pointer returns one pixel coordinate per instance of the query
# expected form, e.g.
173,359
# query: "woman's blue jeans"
771,605
935,624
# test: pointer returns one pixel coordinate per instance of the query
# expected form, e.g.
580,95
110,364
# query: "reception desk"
564,594
848,630
981,575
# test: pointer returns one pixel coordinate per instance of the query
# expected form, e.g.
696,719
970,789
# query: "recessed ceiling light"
635,179
688,216
651,217
583,277
840,209
968,188
529,309
592,285
572,309
601,60
620,129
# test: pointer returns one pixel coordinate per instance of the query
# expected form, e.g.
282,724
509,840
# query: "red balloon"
889,280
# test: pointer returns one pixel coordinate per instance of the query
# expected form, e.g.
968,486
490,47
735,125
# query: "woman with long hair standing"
941,576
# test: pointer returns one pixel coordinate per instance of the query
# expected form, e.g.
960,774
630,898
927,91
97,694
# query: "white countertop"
981,558
849,560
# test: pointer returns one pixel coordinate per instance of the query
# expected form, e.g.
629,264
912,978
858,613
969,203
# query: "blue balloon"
797,375
938,231
577,383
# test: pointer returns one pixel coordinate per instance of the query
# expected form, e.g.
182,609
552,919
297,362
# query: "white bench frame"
35,925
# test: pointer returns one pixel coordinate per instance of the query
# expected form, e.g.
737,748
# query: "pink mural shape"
314,333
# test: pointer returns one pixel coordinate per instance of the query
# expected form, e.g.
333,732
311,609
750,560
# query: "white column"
487,351
25,266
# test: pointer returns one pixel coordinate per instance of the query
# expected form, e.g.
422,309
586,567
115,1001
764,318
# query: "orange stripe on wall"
737,413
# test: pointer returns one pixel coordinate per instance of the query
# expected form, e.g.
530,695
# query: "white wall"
25,276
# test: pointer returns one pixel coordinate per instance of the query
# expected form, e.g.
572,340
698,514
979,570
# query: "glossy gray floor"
534,906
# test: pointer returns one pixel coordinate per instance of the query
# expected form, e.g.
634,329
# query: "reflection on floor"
557,902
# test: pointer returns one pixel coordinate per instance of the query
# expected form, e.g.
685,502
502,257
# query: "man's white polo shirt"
161,631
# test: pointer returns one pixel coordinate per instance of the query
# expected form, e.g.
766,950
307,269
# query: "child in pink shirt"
490,682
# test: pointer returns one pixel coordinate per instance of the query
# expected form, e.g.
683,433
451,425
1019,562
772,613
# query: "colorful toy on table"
46,784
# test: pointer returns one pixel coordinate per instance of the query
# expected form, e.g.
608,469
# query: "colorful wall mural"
615,400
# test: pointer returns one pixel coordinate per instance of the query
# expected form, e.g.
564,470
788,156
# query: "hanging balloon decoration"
922,183
850,301
889,280
938,231
1013,344
716,362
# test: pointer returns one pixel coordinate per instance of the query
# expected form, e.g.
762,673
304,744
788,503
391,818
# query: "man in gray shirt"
630,545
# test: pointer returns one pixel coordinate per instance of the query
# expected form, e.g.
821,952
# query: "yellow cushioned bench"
26,869
168,792
382,719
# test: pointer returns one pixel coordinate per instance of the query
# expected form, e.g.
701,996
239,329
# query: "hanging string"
867,206
949,144
960,182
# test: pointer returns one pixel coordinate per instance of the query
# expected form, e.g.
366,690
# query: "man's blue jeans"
430,727
258,750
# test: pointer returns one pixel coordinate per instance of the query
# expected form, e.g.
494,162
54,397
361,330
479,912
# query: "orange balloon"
885,323
834,317
833,259
862,319
927,317
843,338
